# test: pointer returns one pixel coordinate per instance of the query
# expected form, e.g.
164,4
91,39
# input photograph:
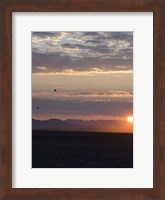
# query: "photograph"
82,99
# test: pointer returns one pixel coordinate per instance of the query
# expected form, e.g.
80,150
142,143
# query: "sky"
92,73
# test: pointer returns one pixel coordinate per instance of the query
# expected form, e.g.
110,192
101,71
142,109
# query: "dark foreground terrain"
67,149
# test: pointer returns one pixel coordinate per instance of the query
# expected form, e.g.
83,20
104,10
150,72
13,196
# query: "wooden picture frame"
6,9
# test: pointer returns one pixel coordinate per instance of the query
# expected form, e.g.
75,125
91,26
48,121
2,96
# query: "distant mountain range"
82,125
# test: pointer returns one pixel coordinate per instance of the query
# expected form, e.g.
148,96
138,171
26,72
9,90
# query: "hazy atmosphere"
83,76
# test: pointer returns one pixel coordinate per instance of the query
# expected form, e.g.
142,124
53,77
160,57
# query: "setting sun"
130,119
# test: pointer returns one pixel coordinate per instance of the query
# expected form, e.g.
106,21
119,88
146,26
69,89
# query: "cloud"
93,71
42,68
44,34
43,42
117,109
109,96
58,62
89,49
82,51
101,94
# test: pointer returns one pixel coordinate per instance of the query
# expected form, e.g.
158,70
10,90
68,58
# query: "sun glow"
130,119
